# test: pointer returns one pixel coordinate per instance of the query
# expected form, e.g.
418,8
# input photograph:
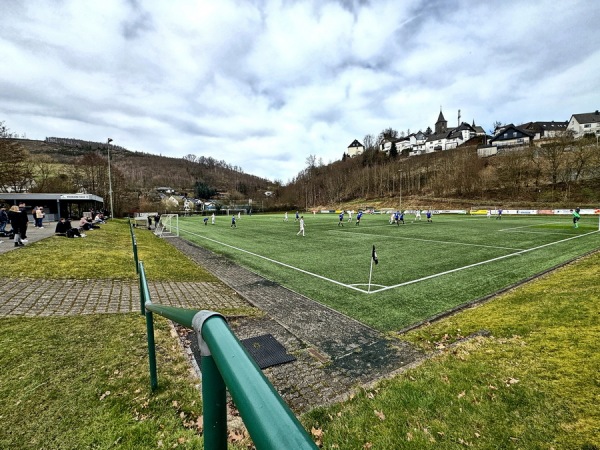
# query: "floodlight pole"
110,192
400,172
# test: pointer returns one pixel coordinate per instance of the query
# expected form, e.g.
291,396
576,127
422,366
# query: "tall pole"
110,193
400,172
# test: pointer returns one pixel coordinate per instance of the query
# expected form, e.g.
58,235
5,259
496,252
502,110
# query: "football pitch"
423,268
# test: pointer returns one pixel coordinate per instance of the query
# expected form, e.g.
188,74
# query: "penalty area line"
458,269
274,261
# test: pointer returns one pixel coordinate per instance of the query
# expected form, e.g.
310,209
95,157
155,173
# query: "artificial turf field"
424,268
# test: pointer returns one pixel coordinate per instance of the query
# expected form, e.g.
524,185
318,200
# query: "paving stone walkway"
335,353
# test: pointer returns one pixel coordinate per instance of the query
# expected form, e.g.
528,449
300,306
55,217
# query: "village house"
585,124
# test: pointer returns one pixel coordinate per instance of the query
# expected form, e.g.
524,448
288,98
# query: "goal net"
168,226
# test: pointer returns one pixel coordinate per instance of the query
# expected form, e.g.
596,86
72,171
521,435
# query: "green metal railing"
227,365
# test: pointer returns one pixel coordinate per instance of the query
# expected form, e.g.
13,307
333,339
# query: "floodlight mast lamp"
110,193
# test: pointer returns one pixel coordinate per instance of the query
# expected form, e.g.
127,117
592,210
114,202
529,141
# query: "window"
587,125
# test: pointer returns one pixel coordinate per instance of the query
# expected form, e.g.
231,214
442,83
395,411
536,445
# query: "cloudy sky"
263,84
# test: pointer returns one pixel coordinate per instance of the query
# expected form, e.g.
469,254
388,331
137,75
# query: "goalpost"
168,226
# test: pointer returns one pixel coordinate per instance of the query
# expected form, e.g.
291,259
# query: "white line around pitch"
274,261
477,264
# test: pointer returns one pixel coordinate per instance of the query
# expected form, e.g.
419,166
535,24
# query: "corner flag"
375,260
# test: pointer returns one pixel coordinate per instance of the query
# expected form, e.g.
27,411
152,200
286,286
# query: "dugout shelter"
55,205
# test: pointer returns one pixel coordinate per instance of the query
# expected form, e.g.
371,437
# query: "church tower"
441,126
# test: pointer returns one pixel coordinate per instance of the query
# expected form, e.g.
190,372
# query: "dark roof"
511,127
355,143
544,126
593,117
441,118
435,137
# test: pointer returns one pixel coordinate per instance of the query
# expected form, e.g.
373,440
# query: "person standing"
3,220
576,217
149,222
358,217
39,217
349,216
285,217
341,221
428,215
24,221
297,217
16,222
301,226
499,216
233,225
418,214
212,219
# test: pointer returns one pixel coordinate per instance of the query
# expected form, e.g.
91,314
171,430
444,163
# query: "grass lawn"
424,268
532,385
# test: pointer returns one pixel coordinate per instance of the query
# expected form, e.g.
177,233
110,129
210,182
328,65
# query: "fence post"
145,298
214,400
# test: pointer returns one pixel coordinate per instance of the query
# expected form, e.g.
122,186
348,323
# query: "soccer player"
489,213
341,222
401,218
349,216
212,219
285,217
358,216
206,221
576,217
499,216
428,215
297,217
418,214
301,226
233,225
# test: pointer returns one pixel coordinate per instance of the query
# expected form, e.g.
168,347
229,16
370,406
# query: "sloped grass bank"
533,384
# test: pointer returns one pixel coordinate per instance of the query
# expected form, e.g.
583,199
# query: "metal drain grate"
267,351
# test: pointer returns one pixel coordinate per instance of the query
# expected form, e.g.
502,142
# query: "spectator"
64,228
3,220
17,220
38,215
24,221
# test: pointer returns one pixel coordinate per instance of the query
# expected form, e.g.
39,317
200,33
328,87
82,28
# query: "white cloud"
263,84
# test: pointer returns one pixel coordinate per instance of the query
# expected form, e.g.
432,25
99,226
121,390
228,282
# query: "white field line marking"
275,261
427,240
479,263
536,232
528,226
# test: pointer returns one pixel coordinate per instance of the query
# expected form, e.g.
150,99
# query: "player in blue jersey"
341,216
358,216
233,225
401,218
428,215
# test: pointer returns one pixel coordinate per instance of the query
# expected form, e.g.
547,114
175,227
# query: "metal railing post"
145,299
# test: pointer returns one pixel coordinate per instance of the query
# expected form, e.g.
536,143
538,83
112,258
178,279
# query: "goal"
168,226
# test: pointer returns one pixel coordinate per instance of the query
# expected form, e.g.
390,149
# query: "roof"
436,137
546,126
513,127
56,197
355,143
441,118
593,117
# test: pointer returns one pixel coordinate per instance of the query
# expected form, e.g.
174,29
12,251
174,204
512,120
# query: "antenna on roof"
458,118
